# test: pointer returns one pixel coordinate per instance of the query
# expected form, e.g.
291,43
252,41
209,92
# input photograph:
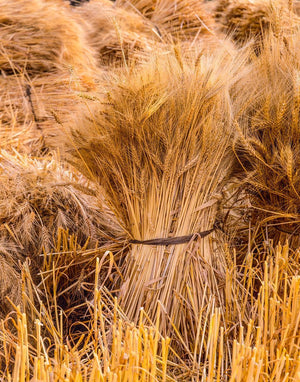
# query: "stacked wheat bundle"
160,148
41,38
245,20
188,25
181,19
268,137
29,107
129,31
37,198
118,35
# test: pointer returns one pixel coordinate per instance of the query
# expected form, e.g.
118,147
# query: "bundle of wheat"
39,36
244,19
160,149
116,34
206,45
267,144
182,19
16,120
38,196
44,60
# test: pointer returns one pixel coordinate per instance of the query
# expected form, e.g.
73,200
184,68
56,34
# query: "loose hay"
10,283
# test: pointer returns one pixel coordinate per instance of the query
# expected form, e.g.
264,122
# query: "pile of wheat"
116,34
44,59
266,145
39,36
181,19
245,20
37,197
160,148
33,110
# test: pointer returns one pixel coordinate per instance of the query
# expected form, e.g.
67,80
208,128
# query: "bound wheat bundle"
182,19
116,34
161,150
44,60
39,36
244,19
267,146
38,196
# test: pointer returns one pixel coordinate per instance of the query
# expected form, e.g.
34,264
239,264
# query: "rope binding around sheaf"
175,240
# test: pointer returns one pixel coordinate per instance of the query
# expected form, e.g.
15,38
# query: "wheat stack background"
40,40
267,136
246,20
45,59
38,198
139,120
181,19
117,34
